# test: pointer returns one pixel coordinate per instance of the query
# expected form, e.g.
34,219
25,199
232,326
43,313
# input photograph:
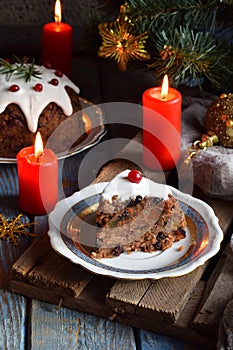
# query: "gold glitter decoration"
207,140
12,229
219,119
120,43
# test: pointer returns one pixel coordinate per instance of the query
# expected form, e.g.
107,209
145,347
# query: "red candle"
38,178
57,43
161,127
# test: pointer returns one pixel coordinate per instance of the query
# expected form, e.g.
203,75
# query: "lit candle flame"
57,11
164,90
38,146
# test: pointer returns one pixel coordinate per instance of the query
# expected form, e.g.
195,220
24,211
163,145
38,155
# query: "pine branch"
20,67
183,54
158,15
187,38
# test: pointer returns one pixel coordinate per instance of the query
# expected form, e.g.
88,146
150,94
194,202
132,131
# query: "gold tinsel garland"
11,229
120,43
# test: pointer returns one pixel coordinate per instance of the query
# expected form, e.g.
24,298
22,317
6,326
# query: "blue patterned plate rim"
202,235
200,213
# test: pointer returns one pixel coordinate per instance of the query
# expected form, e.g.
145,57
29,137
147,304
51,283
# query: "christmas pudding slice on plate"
137,214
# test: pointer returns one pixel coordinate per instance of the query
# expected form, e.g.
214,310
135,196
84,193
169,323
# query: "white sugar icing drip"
126,190
32,102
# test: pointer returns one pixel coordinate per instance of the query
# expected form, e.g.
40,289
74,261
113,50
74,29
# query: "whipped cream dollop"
32,102
120,186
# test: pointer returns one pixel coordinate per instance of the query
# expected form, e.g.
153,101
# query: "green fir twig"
185,53
20,68
188,39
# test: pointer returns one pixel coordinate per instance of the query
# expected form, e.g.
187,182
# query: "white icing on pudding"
120,186
31,102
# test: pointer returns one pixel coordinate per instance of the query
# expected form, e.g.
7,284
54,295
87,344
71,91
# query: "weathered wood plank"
180,330
91,300
56,272
190,308
53,328
9,254
152,341
213,303
164,298
8,180
125,296
167,297
13,321
31,258
223,209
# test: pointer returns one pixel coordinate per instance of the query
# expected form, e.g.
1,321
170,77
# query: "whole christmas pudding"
35,98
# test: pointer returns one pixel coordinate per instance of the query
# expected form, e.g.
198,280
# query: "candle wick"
163,97
38,158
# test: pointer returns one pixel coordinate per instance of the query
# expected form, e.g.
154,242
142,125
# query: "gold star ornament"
120,43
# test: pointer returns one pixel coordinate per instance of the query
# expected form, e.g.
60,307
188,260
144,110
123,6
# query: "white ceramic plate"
203,238
96,116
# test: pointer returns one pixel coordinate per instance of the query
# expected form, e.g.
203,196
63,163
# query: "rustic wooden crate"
188,307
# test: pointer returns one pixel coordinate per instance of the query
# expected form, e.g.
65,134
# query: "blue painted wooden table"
28,323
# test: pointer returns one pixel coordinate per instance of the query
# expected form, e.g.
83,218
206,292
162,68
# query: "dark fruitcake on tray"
136,214
34,98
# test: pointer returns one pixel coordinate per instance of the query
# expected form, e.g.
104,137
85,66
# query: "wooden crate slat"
167,297
125,296
91,300
181,329
58,273
186,317
31,257
209,314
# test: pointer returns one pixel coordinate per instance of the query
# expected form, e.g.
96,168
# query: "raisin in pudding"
136,214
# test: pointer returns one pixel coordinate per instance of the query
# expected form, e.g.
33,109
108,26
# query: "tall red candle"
161,127
38,180
57,43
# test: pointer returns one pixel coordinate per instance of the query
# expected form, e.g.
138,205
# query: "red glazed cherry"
14,88
58,73
54,82
38,87
134,176
47,64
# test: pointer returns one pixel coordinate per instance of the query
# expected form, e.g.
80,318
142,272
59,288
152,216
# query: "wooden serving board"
188,307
